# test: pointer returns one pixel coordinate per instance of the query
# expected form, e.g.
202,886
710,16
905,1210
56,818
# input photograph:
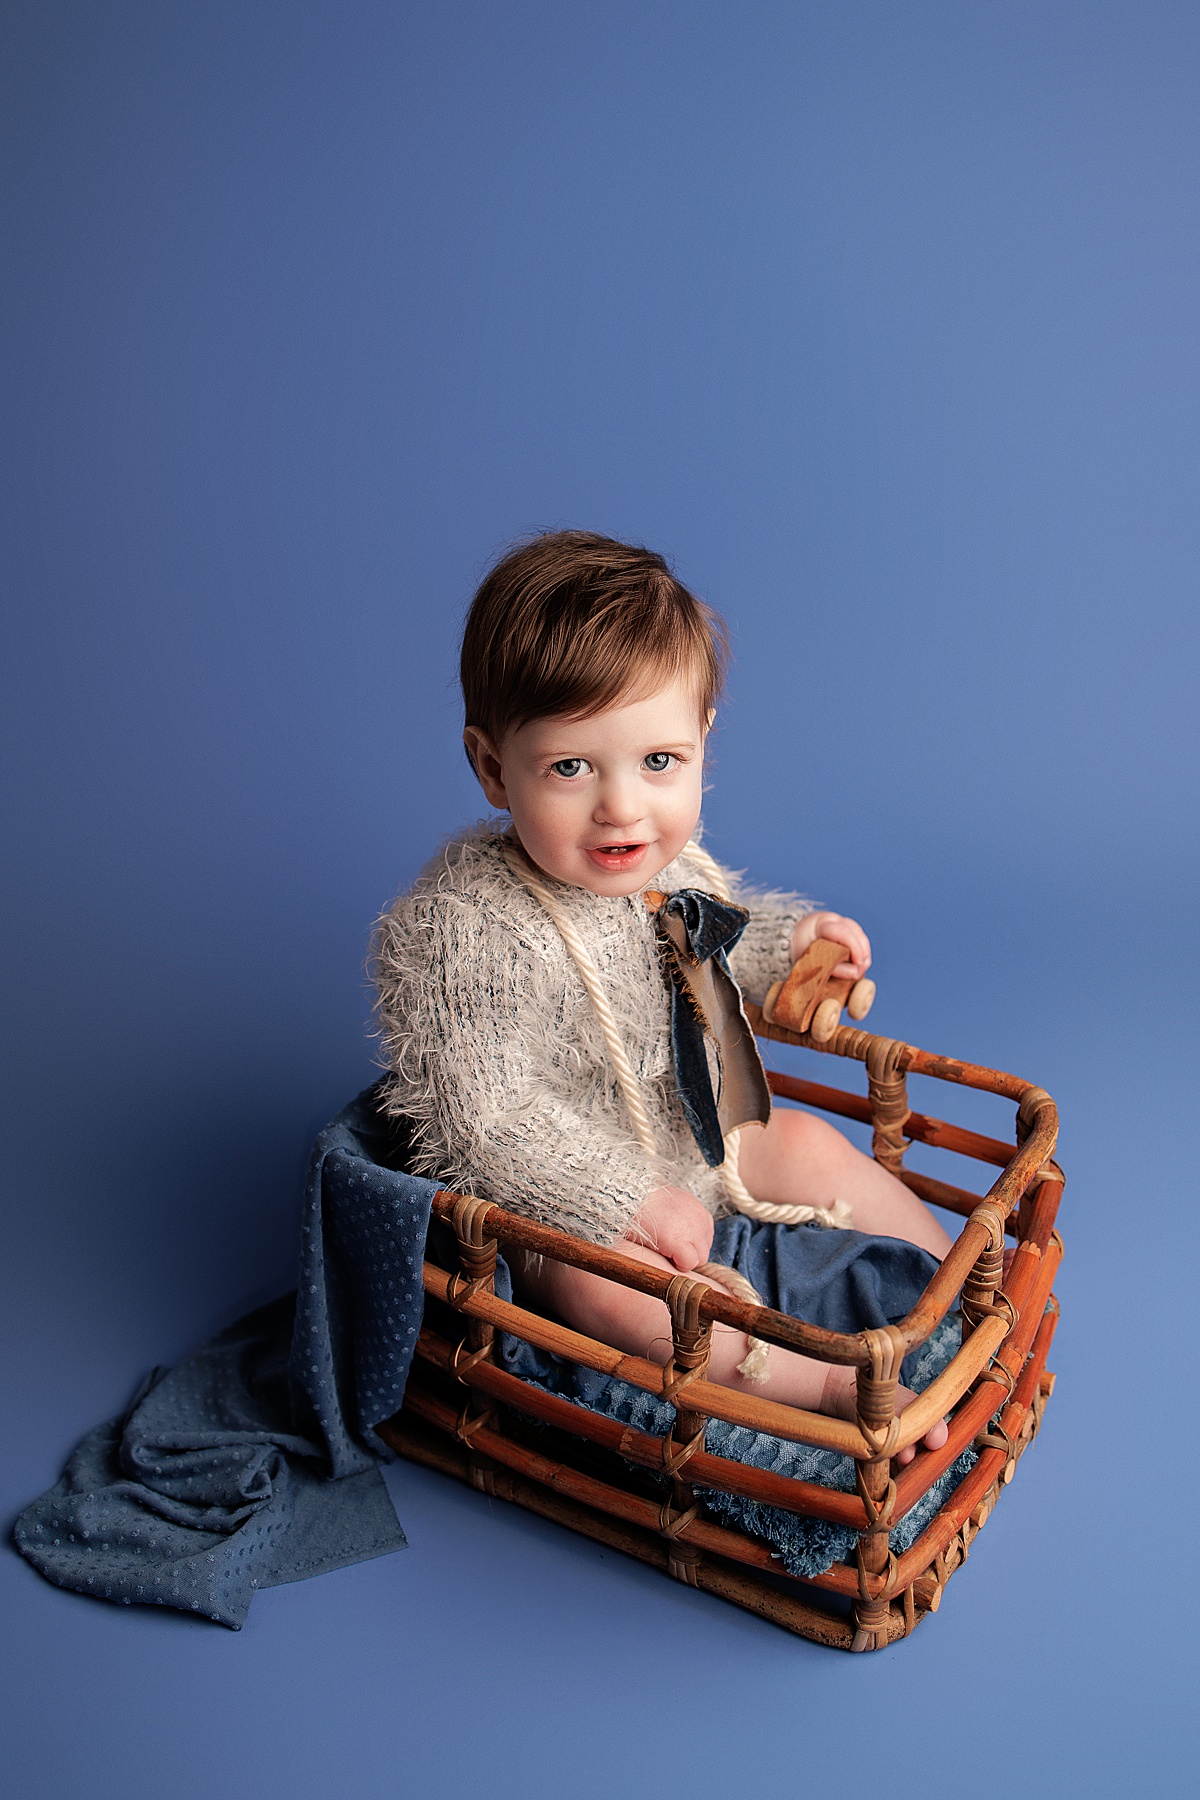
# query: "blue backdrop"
882,321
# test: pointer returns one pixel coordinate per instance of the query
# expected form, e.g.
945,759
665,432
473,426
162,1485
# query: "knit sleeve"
764,954
488,1075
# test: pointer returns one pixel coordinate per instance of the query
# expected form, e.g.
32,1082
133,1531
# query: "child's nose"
618,804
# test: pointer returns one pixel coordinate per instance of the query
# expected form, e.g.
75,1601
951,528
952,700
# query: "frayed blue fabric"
843,1280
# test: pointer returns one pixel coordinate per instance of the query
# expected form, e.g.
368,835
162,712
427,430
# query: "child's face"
603,803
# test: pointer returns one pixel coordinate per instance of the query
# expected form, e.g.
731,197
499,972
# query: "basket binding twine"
755,1366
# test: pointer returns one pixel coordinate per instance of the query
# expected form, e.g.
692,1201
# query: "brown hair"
569,622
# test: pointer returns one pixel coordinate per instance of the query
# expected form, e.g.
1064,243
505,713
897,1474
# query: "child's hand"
842,931
674,1223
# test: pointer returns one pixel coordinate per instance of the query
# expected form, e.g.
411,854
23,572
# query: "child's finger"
845,931
689,1254
934,1438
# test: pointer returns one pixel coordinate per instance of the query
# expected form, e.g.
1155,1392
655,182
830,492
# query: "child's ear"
484,758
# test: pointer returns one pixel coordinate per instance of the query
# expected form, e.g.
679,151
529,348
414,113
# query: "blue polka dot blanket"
255,1461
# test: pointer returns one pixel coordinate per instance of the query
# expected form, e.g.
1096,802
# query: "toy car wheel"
861,998
825,1021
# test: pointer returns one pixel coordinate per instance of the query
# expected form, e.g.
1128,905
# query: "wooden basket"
467,1416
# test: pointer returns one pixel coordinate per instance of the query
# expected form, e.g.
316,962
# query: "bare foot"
839,1398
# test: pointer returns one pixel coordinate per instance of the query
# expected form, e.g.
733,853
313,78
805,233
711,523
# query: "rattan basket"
469,1417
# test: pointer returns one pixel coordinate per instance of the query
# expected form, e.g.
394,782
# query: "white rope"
717,884
756,1364
589,974
837,1216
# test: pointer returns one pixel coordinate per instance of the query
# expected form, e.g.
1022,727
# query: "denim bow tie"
696,933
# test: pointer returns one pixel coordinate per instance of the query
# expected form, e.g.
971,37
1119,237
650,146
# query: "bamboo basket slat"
719,1402
999,1374
920,1127
941,1193
923,1471
715,1471
735,1407
637,1510
1039,1227
643,1447
940,1532
942,1395
764,1322
712,1576
633,1509
944,1285
850,1042
716,1305
966,1496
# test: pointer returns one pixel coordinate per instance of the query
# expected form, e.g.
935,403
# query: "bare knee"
797,1150
805,1134
606,1310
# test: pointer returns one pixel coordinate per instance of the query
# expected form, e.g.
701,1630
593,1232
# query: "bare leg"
641,1325
800,1159
797,1158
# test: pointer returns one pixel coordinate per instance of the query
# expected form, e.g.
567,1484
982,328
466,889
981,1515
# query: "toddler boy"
531,957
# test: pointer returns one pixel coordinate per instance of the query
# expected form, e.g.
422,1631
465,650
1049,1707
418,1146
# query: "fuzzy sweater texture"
496,1057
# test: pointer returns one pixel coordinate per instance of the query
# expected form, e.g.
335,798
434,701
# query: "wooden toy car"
811,999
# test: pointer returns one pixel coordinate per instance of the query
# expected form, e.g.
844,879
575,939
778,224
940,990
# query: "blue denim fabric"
713,928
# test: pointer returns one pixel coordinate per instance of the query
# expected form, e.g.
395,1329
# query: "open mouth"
616,856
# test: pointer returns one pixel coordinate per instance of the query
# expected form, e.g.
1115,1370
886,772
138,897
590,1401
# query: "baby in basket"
559,992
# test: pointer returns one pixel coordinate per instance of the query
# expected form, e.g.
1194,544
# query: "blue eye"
568,767
659,761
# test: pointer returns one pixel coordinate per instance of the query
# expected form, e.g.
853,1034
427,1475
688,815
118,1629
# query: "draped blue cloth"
254,1461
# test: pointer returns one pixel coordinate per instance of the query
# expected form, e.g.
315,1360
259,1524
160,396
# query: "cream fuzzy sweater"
495,1052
